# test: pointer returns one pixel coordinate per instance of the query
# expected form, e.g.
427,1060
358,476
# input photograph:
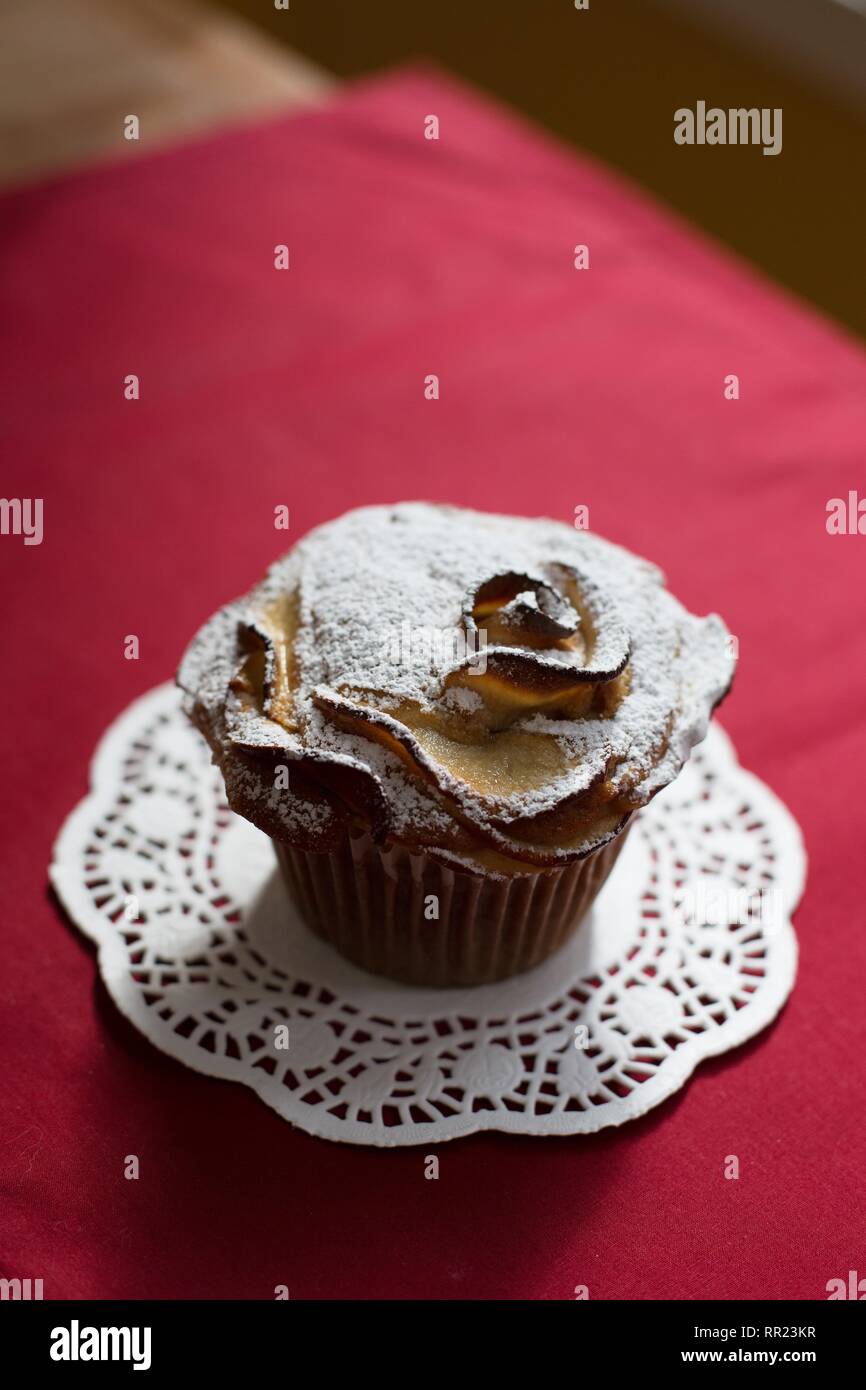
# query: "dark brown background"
609,79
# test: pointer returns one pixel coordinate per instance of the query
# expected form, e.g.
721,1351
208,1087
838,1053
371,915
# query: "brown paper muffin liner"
369,903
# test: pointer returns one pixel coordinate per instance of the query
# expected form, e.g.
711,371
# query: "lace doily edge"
739,1029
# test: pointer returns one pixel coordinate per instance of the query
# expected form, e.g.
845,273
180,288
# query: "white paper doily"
688,951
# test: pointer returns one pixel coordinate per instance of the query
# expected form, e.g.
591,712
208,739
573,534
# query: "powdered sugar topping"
382,592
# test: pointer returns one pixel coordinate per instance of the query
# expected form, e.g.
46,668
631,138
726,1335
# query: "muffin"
445,721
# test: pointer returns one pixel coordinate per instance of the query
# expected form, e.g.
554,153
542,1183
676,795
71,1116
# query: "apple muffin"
445,721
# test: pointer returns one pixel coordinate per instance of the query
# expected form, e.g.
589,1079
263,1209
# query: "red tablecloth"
558,388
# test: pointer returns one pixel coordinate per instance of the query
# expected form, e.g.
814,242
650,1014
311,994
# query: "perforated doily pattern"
688,951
